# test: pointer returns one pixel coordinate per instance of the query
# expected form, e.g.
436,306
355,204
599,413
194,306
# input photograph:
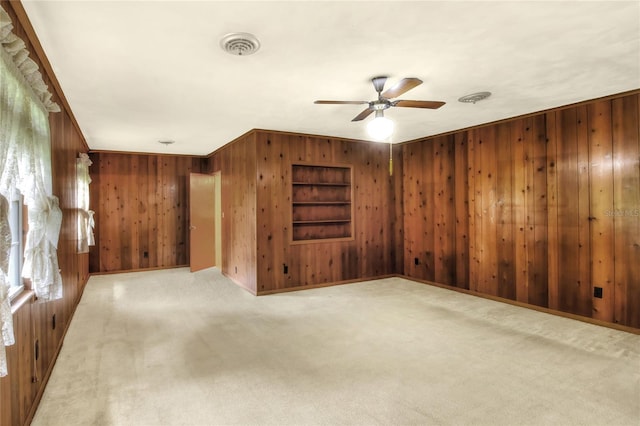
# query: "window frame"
17,222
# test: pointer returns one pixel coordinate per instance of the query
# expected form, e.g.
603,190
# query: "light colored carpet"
174,348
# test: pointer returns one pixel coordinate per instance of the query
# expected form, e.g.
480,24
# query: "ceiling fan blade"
418,104
401,87
341,102
364,114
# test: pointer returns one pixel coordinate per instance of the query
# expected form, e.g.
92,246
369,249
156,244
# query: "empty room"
319,212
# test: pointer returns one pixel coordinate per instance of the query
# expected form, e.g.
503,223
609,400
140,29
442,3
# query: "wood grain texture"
546,209
397,212
461,209
444,210
626,209
505,242
141,204
263,196
601,201
519,203
553,259
236,163
367,254
536,224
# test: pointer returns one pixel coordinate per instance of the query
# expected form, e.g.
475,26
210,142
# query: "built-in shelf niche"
321,202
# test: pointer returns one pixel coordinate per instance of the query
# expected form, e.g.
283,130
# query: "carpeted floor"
175,348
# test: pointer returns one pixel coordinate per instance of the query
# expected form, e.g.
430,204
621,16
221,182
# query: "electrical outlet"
145,254
597,292
416,261
285,269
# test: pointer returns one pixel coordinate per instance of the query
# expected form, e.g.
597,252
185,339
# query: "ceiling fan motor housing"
378,83
380,105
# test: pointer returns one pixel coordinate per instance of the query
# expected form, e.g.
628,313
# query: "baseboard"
125,271
593,321
239,283
321,285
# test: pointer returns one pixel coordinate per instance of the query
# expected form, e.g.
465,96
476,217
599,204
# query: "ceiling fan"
383,102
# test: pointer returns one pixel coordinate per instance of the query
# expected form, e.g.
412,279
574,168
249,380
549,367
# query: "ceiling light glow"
380,128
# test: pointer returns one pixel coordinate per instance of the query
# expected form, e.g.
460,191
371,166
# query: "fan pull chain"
390,159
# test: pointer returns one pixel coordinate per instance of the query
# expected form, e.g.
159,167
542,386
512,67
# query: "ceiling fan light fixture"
380,128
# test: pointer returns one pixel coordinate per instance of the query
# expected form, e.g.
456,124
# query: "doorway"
202,230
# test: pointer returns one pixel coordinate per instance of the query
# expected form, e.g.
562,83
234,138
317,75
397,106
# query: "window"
25,167
85,215
16,258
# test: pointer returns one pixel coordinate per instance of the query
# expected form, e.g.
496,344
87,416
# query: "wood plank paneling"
412,203
18,389
584,288
601,201
571,293
486,188
549,206
472,213
444,210
461,209
141,205
520,209
237,164
367,254
626,209
536,227
553,260
504,214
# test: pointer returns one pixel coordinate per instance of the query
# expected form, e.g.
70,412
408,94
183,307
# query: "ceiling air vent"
474,97
240,44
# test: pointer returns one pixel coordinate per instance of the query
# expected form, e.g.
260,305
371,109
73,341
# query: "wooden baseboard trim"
321,285
126,271
588,320
239,283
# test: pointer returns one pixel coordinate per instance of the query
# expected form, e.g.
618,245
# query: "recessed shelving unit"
321,202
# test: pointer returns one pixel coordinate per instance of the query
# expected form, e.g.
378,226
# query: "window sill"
21,299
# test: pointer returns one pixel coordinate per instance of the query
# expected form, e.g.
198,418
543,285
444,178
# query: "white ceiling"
136,72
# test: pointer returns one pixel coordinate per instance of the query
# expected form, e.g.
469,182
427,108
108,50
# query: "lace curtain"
85,216
25,168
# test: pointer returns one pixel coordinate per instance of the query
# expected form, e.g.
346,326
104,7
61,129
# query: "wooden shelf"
316,222
321,202
321,184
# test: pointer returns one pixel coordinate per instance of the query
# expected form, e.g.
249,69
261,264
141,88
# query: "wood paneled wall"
541,210
142,210
257,195
35,323
237,163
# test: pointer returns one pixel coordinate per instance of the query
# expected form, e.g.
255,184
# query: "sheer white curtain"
25,168
6,321
85,216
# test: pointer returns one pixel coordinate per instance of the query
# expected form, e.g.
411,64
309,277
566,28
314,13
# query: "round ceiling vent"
240,44
474,97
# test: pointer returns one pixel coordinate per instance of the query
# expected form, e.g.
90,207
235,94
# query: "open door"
202,221
218,218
